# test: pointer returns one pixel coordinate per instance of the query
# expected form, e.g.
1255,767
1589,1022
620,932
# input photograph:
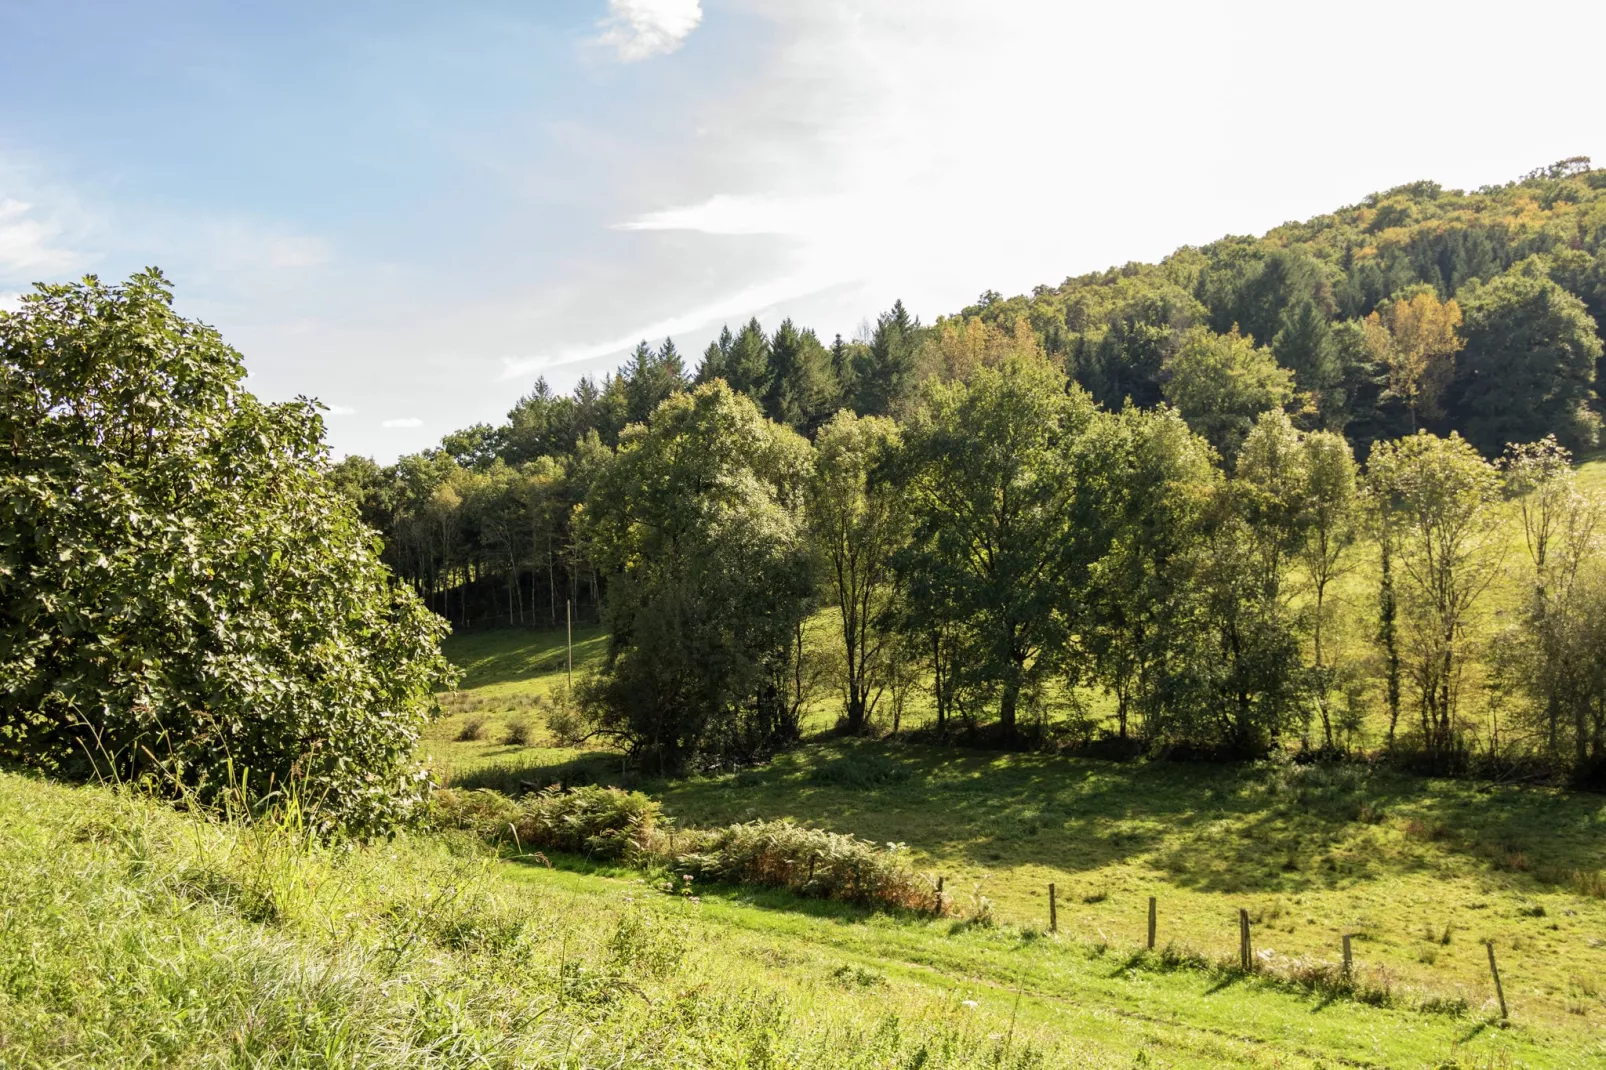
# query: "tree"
1154,480
1325,553
989,474
1420,350
185,595
1221,382
649,378
1437,498
858,523
698,520
1556,648
1238,683
1304,345
1529,366
742,360
884,371
803,390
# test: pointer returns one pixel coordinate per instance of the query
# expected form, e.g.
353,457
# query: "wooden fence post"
939,896
1053,910
1151,922
1499,991
1244,956
1349,963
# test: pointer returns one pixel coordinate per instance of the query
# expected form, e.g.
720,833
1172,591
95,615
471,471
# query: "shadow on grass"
1216,828
515,775
776,899
511,655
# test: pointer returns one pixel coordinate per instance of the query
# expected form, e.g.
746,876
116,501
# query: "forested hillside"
1418,307
1257,491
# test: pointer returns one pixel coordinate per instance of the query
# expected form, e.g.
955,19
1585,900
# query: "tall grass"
134,936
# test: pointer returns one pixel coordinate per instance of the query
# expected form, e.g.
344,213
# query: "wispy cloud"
342,410
638,29
735,305
403,421
30,242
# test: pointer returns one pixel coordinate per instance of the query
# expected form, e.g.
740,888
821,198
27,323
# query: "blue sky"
409,211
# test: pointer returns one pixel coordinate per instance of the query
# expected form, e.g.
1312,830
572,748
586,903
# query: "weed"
856,977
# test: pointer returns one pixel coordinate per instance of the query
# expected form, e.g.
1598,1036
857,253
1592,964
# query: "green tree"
803,390
1221,382
988,468
698,521
884,370
649,378
1437,498
1556,649
1529,366
185,595
859,525
1325,553
1155,480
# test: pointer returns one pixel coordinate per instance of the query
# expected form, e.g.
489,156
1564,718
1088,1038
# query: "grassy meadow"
136,934
1420,872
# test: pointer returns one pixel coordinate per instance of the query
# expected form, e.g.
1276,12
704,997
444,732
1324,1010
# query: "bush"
596,821
185,598
615,824
811,862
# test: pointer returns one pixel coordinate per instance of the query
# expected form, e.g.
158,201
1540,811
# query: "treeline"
1144,480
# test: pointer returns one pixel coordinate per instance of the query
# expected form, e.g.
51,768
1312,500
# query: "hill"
1420,872
135,935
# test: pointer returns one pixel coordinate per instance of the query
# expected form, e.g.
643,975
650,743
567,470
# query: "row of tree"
1012,542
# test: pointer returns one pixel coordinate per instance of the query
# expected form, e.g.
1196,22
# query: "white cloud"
28,243
10,302
342,410
637,29
403,421
930,153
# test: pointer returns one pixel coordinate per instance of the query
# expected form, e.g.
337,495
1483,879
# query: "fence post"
1499,991
1053,910
1244,957
1349,965
1151,922
939,896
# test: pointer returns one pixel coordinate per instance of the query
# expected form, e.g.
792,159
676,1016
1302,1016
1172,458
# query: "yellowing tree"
1416,339
958,347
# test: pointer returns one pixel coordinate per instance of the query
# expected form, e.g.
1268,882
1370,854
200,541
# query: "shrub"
472,729
596,821
186,599
811,862
518,733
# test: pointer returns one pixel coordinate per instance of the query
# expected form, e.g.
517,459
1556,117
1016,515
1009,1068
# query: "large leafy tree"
1155,481
989,467
185,595
1529,365
698,521
859,523
1221,382
1436,498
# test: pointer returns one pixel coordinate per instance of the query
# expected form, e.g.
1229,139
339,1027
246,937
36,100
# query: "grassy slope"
1421,871
133,935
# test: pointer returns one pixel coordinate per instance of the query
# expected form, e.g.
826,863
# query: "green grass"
136,936
1311,852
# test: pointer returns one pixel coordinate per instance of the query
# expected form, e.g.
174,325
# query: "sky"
411,211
